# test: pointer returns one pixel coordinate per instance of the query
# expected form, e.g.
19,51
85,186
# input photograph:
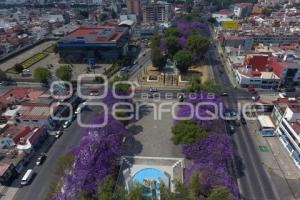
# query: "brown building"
134,7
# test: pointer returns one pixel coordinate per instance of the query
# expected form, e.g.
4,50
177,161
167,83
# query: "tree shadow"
143,111
239,166
135,129
131,146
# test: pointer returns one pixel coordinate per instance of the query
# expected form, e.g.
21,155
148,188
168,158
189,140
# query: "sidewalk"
7,193
273,154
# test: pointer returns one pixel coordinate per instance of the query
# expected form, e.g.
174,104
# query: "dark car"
243,121
231,128
41,159
181,98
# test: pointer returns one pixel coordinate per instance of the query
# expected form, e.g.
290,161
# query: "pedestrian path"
7,193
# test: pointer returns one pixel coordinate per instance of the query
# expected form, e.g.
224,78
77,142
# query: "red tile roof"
15,132
225,12
296,127
99,34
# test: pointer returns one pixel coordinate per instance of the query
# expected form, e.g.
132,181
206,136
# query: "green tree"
83,196
64,163
172,45
113,14
136,193
187,132
212,20
181,191
219,194
195,84
195,187
41,74
120,87
171,32
154,42
55,49
105,191
120,193
267,11
183,60
19,68
64,72
158,60
3,76
211,86
103,17
198,45
166,193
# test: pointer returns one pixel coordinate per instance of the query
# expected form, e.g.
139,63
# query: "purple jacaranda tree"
183,27
205,109
215,148
163,45
183,42
212,177
95,158
110,99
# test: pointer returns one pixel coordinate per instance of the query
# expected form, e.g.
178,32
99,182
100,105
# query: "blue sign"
92,61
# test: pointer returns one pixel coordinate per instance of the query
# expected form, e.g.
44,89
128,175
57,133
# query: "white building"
286,115
245,77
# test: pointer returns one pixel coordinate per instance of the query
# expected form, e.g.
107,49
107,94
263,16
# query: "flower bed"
49,49
33,59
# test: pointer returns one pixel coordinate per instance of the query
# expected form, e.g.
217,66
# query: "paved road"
254,181
45,173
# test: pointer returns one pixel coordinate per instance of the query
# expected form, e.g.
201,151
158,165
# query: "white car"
94,93
66,124
58,133
282,95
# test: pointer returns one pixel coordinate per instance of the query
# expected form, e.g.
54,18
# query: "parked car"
153,89
66,124
224,94
58,133
243,121
41,159
27,177
26,72
231,128
255,98
181,98
282,95
94,93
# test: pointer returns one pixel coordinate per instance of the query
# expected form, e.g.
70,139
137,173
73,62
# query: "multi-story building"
286,116
241,9
134,7
105,43
287,70
242,42
158,12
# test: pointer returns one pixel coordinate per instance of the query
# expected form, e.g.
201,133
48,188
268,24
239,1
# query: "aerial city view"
149,100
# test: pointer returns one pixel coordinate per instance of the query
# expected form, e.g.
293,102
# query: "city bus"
267,127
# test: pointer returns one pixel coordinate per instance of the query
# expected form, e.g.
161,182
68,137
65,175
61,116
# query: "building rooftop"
296,127
104,34
34,112
15,132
